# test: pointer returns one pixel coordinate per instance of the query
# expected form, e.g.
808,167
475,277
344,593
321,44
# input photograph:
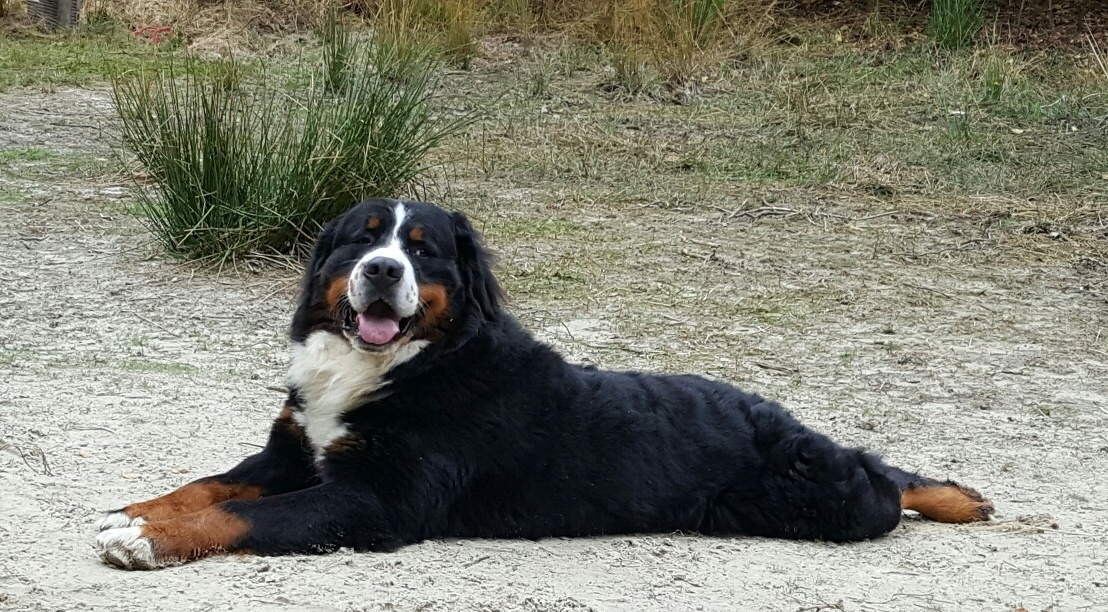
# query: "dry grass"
215,28
1099,55
987,154
11,8
683,38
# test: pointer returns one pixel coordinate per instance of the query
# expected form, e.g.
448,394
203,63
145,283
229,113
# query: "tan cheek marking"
435,300
196,535
336,290
434,323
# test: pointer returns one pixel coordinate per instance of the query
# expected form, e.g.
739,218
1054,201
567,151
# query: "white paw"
116,520
126,548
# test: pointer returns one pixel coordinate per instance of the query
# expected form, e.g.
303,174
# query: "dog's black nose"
383,272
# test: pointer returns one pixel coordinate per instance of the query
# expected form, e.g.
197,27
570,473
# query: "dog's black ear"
475,264
305,316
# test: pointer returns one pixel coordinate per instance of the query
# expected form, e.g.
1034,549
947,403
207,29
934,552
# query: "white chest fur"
332,377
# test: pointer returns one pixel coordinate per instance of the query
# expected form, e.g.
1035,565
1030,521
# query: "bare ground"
930,340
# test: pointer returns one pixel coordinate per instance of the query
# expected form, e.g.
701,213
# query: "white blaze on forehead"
404,296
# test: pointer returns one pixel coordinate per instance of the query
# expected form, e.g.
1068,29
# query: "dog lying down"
418,408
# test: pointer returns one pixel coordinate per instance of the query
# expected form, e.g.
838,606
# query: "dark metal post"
55,13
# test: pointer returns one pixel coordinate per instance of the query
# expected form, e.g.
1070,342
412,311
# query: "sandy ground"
124,376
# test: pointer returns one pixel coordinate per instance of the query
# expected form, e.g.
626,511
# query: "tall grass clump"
453,25
241,165
954,23
338,50
684,39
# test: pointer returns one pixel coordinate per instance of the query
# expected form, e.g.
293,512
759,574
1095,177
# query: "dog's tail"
939,500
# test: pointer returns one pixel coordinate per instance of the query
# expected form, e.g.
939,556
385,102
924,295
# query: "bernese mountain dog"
418,408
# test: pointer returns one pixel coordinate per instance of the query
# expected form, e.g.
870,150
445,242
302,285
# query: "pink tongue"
377,330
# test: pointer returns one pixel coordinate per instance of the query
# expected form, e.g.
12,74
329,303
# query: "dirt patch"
1037,24
125,375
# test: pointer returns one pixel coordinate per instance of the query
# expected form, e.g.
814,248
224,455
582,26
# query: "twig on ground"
611,346
158,325
87,428
935,291
477,560
775,368
838,605
961,247
34,451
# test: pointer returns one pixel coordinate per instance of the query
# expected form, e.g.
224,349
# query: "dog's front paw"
127,548
118,520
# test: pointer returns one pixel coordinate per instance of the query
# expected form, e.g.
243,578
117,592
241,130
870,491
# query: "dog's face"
388,272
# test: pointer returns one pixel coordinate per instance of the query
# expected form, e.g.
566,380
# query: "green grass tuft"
338,51
954,23
243,166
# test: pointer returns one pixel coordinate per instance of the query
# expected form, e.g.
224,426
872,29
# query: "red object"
154,34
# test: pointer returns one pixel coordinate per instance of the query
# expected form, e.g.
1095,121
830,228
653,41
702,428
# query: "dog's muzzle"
383,298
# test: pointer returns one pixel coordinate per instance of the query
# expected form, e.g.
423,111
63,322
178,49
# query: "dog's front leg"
313,520
284,465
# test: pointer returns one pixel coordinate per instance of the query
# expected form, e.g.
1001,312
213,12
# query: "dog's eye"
421,252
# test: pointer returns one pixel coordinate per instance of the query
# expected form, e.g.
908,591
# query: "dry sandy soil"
125,375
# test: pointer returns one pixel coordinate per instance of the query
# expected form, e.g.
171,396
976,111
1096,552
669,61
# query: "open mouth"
377,326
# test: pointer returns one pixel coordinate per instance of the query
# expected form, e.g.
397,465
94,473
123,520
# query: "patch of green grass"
29,154
526,229
909,123
154,367
954,23
78,58
558,276
41,164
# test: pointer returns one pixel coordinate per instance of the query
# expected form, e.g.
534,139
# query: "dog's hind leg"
799,484
939,500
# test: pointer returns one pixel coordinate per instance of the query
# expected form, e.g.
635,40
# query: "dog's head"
389,272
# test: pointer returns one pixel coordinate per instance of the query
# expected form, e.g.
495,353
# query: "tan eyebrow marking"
416,234
374,222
